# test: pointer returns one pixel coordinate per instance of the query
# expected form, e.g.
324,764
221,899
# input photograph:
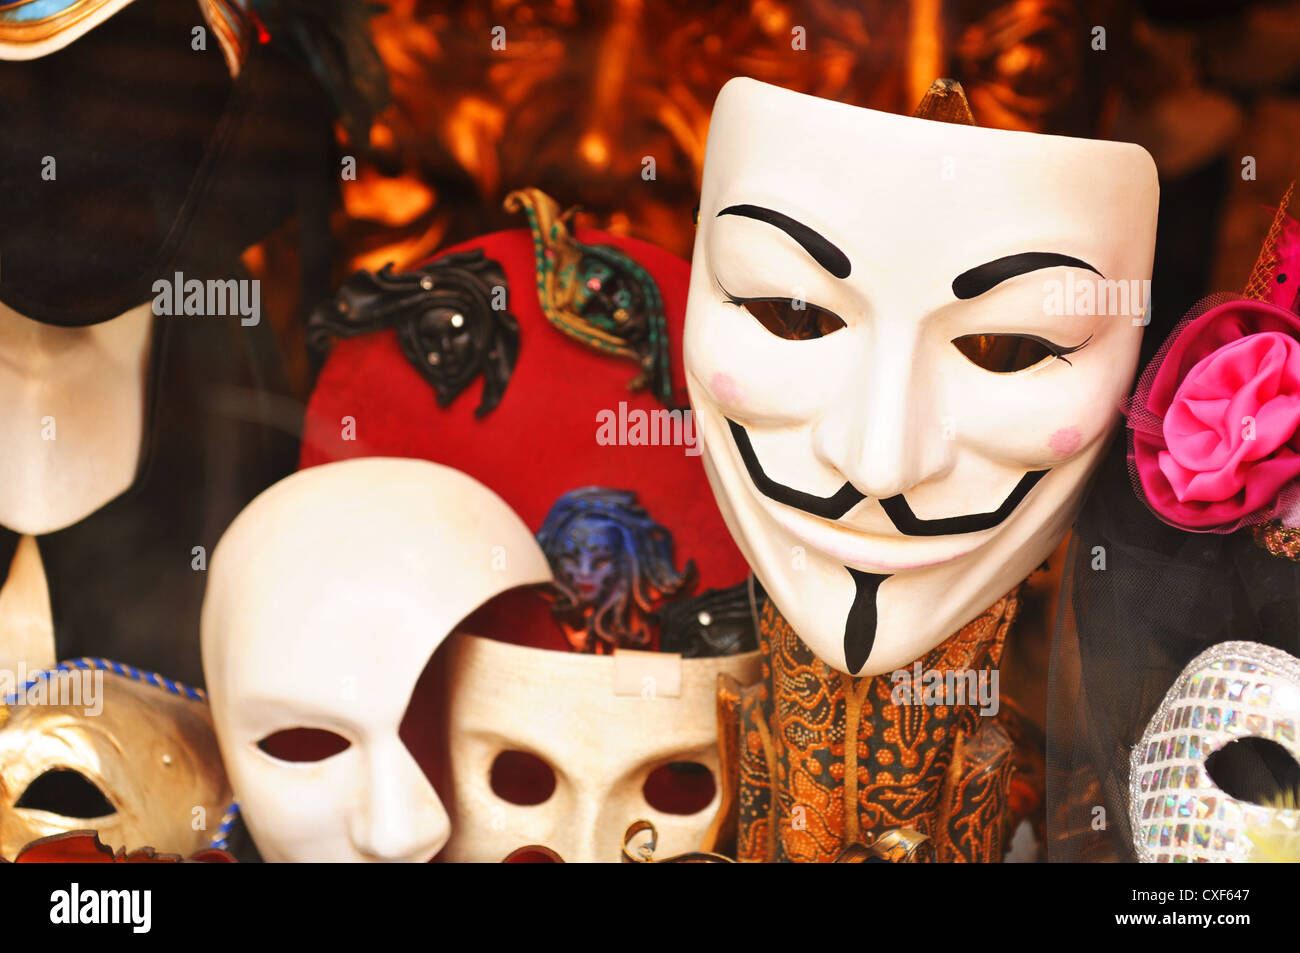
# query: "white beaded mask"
1232,691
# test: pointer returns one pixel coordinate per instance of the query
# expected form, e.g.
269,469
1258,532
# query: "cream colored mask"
92,745
1234,692
326,598
608,728
906,346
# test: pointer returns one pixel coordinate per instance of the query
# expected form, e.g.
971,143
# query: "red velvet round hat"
533,399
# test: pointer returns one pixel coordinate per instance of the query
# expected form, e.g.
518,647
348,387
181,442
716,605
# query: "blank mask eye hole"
1255,769
1003,353
680,787
786,320
522,778
534,854
303,744
67,792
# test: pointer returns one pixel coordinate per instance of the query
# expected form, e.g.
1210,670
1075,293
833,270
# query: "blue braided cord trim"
221,840
117,668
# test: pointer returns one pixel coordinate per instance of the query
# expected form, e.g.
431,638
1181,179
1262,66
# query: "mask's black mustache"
895,507
828,507
907,522
860,626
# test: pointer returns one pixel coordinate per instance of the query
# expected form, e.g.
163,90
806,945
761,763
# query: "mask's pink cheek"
1065,441
725,390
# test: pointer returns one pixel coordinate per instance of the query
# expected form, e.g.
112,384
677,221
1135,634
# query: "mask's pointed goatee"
860,626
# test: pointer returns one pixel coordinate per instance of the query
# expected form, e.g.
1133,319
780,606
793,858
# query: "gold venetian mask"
91,745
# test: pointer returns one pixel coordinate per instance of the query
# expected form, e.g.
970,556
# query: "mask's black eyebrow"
973,283
823,251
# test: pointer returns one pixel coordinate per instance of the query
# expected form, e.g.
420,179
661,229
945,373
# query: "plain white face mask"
906,346
604,727
326,598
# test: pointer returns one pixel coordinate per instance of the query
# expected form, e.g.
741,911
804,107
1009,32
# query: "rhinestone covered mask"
1232,691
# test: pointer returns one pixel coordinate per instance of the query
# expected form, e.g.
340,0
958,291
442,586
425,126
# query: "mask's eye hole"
680,787
1008,353
67,792
521,777
794,321
1255,769
303,744
533,854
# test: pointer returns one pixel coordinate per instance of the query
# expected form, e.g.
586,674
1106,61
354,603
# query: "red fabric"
540,442
84,847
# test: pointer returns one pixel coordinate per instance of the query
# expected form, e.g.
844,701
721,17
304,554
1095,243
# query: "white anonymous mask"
1231,691
884,486
326,598
601,745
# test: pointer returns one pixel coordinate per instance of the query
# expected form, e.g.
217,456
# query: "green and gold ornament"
596,294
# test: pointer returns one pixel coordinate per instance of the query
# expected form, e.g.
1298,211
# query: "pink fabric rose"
1215,418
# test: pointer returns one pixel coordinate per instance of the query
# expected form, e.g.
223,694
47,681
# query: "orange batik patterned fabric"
813,741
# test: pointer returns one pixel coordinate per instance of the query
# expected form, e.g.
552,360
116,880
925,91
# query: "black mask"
128,155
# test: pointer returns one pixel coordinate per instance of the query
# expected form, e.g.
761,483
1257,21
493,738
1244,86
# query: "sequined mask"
1235,693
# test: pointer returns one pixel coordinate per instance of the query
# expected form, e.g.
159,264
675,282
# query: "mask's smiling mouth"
896,508
837,540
